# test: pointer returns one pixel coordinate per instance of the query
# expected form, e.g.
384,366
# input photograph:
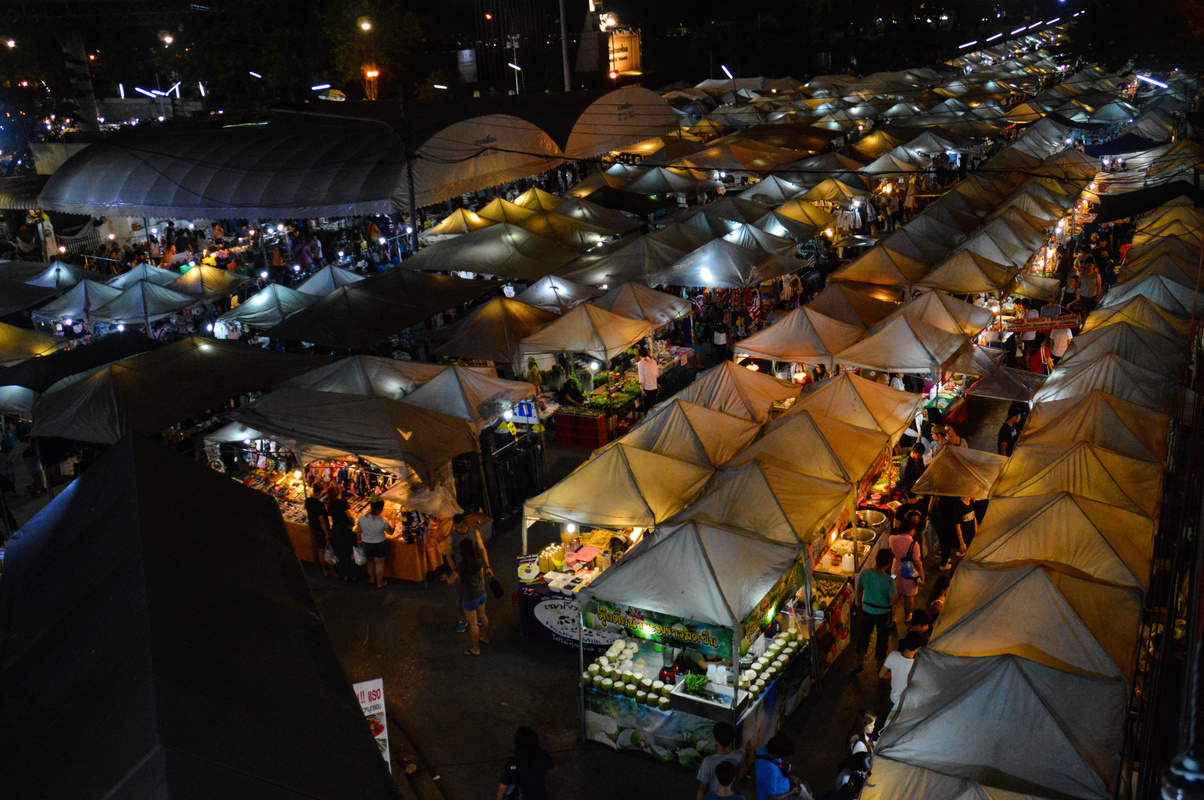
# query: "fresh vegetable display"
694,684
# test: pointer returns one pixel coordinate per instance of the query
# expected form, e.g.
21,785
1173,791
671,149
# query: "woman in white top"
374,533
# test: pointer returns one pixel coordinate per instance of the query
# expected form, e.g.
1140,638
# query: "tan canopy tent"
622,487
505,250
370,376
966,272
494,332
773,502
807,213
1008,383
459,222
1049,732
18,344
470,395
804,336
269,306
79,301
1102,420
1113,375
1050,617
1141,312
1086,470
831,190
209,282
849,305
538,200
572,233
637,301
735,209
960,472
1175,298
820,446
867,404
772,191
733,389
787,227
690,432
975,359
144,272
1128,342
557,295
326,280
63,276
720,263
1074,533
752,238
629,258
903,345
893,779
696,570
594,214
941,310
882,267
916,246
501,210
590,330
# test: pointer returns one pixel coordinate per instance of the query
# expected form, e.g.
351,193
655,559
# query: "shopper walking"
876,599
775,777
319,527
470,565
342,534
374,533
525,773
908,566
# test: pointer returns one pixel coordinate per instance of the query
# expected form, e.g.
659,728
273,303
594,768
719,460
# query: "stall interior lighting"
1148,79
121,328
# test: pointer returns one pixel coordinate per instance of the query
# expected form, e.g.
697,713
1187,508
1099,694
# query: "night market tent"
376,308
1113,375
749,156
389,433
555,294
888,165
622,487
1140,312
149,392
499,209
494,332
1085,470
1074,534
1102,420
62,276
681,237
820,446
458,222
1035,287
812,170
804,336
849,305
142,303
831,190
867,404
753,238
1173,266
697,571
370,376
327,279
144,272
570,232
470,395
1175,297
79,301
538,200
722,264
875,143
594,214
181,616
960,472
637,301
1060,731
662,180
733,389
21,383
787,227
941,310
269,306
772,191
911,243
1128,342
882,267
771,501
903,345
892,779
966,272
735,209
590,330
805,212
976,359
18,344
626,259
208,282
690,432
17,296
504,250
999,246
1008,383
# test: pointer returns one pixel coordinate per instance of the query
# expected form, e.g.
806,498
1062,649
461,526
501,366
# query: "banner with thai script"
631,622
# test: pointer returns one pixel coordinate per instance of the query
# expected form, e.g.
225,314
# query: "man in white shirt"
1028,337
647,370
1059,341
898,665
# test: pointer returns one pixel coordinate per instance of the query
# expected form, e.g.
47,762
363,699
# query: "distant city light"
140,90
993,38
727,71
255,75
1021,29
967,44
320,87
439,86
512,65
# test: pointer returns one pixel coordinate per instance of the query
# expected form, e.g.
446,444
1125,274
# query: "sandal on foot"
470,653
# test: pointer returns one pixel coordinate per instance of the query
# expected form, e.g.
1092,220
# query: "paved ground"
460,712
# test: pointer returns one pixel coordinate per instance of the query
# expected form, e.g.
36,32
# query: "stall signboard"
623,621
371,695
674,737
556,618
759,618
525,413
1043,323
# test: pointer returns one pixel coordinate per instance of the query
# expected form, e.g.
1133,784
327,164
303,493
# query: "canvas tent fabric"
1141,312
505,250
698,571
151,391
867,404
143,302
19,344
974,359
370,376
966,272
627,259
1113,375
590,330
327,279
1102,420
960,472
209,282
17,296
1127,342
79,301
599,216
731,388
1073,533
374,309
849,305
458,222
435,501
570,232
771,501
538,200
637,301
882,267
787,227
753,238
181,614
903,345
803,335
815,445
390,433
144,272
61,276
269,306
21,384
942,310
722,264
1085,470
470,395
494,332
1046,616
893,779
623,487
556,294
1060,731
690,432
1007,383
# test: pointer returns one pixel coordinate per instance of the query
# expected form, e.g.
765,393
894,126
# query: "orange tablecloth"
404,562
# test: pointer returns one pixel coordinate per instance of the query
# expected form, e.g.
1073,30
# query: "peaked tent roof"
941,310
151,391
771,501
637,301
19,344
976,359
846,304
159,641
772,190
903,345
1113,375
1053,618
690,432
882,267
144,272
494,332
1085,470
269,306
79,301
370,376
731,388
720,263
555,294
504,250
753,238
787,227
21,383
18,296
698,571
629,258
1072,533
1051,731
960,472
327,279
1008,383
1101,420
1175,298
470,395
458,222
867,404
815,445
803,335
62,276
581,209
1143,313
1127,342
808,213
538,200
143,301
499,209
571,232
590,330
208,282
623,487
831,190
966,272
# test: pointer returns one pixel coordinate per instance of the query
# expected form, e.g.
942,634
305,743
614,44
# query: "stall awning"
21,192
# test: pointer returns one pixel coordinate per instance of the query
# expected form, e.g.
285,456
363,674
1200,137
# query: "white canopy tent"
637,301
269,306
326,280
690,432
960,472
820,446
804,336
1085,470
867,404
733,389
590,330
555,294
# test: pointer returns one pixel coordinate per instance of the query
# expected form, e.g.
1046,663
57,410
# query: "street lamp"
365,24
517,69
371,73
728,73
